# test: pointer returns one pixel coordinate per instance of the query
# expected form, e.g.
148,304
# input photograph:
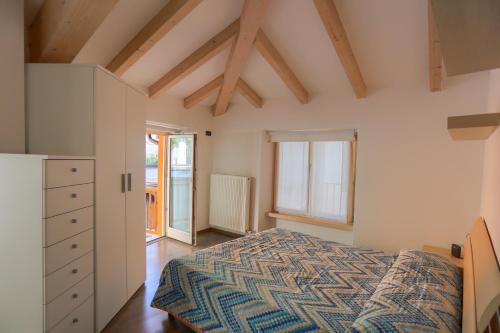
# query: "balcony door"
181,171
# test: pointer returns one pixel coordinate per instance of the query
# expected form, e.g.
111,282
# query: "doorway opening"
155,203
170,186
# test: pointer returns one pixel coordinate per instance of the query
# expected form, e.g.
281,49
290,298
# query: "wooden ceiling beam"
333,25
62,28
203,54
203,92
163,22
274,58
250,21
251,96
244,89
435,55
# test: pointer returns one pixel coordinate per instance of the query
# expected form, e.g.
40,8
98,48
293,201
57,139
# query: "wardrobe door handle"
129,182
123,183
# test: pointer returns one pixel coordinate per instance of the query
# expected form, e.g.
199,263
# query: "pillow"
421,292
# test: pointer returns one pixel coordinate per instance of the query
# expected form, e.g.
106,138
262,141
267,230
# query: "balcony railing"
153,223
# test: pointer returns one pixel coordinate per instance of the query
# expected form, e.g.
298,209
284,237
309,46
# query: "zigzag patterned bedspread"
274,281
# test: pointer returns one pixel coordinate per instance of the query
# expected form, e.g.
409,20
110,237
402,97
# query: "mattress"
273,281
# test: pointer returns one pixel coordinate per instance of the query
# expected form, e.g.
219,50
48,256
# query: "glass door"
180,187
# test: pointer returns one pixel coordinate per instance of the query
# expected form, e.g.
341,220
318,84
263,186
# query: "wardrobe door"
110,247
136,195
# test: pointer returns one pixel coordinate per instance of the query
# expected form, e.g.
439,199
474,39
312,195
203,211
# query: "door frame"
172,232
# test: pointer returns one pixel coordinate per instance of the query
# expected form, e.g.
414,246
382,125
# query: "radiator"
230,203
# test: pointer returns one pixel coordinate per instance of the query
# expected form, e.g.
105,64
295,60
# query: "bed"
284,281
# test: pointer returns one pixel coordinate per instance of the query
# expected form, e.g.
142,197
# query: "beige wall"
12,77
490,203
171,111
414,184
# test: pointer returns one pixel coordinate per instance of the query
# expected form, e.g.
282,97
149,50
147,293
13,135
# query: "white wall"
490,203
251,152
233,144
228,144
12,77
264,183
414,184
340,236
171,111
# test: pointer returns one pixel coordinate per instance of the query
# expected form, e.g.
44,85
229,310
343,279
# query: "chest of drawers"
47,244
68,244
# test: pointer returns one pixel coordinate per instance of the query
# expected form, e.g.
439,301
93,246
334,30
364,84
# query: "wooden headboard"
481,295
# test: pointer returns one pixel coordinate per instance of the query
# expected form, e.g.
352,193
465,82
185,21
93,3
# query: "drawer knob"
74,169
74,246
74,296
74,271
75,320
74,220
74,195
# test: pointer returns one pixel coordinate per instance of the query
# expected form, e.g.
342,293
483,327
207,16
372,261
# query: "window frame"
308,218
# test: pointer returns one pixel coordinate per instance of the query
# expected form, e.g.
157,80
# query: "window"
315,177
293,176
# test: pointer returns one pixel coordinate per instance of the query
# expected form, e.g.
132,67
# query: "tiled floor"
137,315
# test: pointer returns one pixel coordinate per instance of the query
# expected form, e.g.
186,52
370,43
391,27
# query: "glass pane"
330,180
293,176
152,159
181,177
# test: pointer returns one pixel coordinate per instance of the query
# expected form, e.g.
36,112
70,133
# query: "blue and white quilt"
273,281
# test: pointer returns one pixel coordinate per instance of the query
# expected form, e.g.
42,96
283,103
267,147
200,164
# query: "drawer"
63,305
79,321
63,226
62,253
69,275
65,199
68,172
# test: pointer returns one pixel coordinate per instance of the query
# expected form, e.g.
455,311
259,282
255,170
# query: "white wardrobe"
83,110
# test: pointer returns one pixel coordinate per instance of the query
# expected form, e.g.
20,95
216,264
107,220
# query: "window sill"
310,220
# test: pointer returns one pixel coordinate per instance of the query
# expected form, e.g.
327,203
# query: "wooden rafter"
250,20
273,57
62,28
435,55
168,17
333,25
214,85
203,92
251,95
206,52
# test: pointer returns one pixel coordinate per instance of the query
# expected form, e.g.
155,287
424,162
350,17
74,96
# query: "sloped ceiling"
31,8
388,37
